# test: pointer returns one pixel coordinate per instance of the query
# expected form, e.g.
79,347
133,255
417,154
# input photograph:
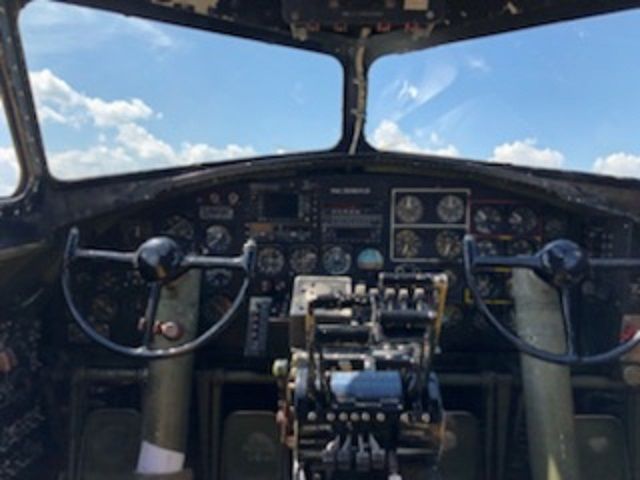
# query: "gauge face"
487,219
449,244
218,239
407,244
409,209
488,248
450,209
336,261
555,228
303,260
521,247
522,220
370,259
218,277
270,261
178,227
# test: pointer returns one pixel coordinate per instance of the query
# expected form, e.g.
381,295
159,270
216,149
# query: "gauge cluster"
355,225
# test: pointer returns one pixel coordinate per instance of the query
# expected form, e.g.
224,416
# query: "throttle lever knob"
563,263
159,259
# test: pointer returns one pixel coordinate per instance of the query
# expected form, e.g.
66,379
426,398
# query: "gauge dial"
449,244
522,220
450,209
555,228
487,219
409,209
407,244
218,239
370,259
521,247
488,248
270,261
303,260
336,261
218,277
178,227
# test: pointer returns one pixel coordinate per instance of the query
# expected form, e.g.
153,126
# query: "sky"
117,95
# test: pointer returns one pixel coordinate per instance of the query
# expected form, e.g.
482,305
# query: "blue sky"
117,94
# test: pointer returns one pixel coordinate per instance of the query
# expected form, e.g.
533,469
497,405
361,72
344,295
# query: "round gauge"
448,244
521,247
488,248
409,209
103,309
555,228
450,209
218,277
178,227
218,239
522,220
487,219
370,259
486,285
270,261
303,260
336,261
407,244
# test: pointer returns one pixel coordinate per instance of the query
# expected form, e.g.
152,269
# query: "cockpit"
319,240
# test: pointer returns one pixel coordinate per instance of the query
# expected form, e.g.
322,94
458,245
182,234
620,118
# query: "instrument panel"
355,225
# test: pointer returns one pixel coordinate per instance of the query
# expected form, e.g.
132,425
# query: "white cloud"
144,145
123,144
618,164
525,153
9,171
389,136
58,102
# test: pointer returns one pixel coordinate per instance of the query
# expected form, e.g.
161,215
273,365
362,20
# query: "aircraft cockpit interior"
327,240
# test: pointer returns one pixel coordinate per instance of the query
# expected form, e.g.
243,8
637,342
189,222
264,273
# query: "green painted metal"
547,388
168,389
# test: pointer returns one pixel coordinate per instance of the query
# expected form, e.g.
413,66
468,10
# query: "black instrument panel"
355,225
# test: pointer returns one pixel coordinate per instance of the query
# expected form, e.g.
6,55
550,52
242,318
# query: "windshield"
118,95
563,96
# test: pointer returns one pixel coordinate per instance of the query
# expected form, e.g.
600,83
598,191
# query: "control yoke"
563,264
159,260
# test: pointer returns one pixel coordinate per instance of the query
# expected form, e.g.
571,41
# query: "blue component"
366,385
370,259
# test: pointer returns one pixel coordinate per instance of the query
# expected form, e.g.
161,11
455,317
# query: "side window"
9,166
